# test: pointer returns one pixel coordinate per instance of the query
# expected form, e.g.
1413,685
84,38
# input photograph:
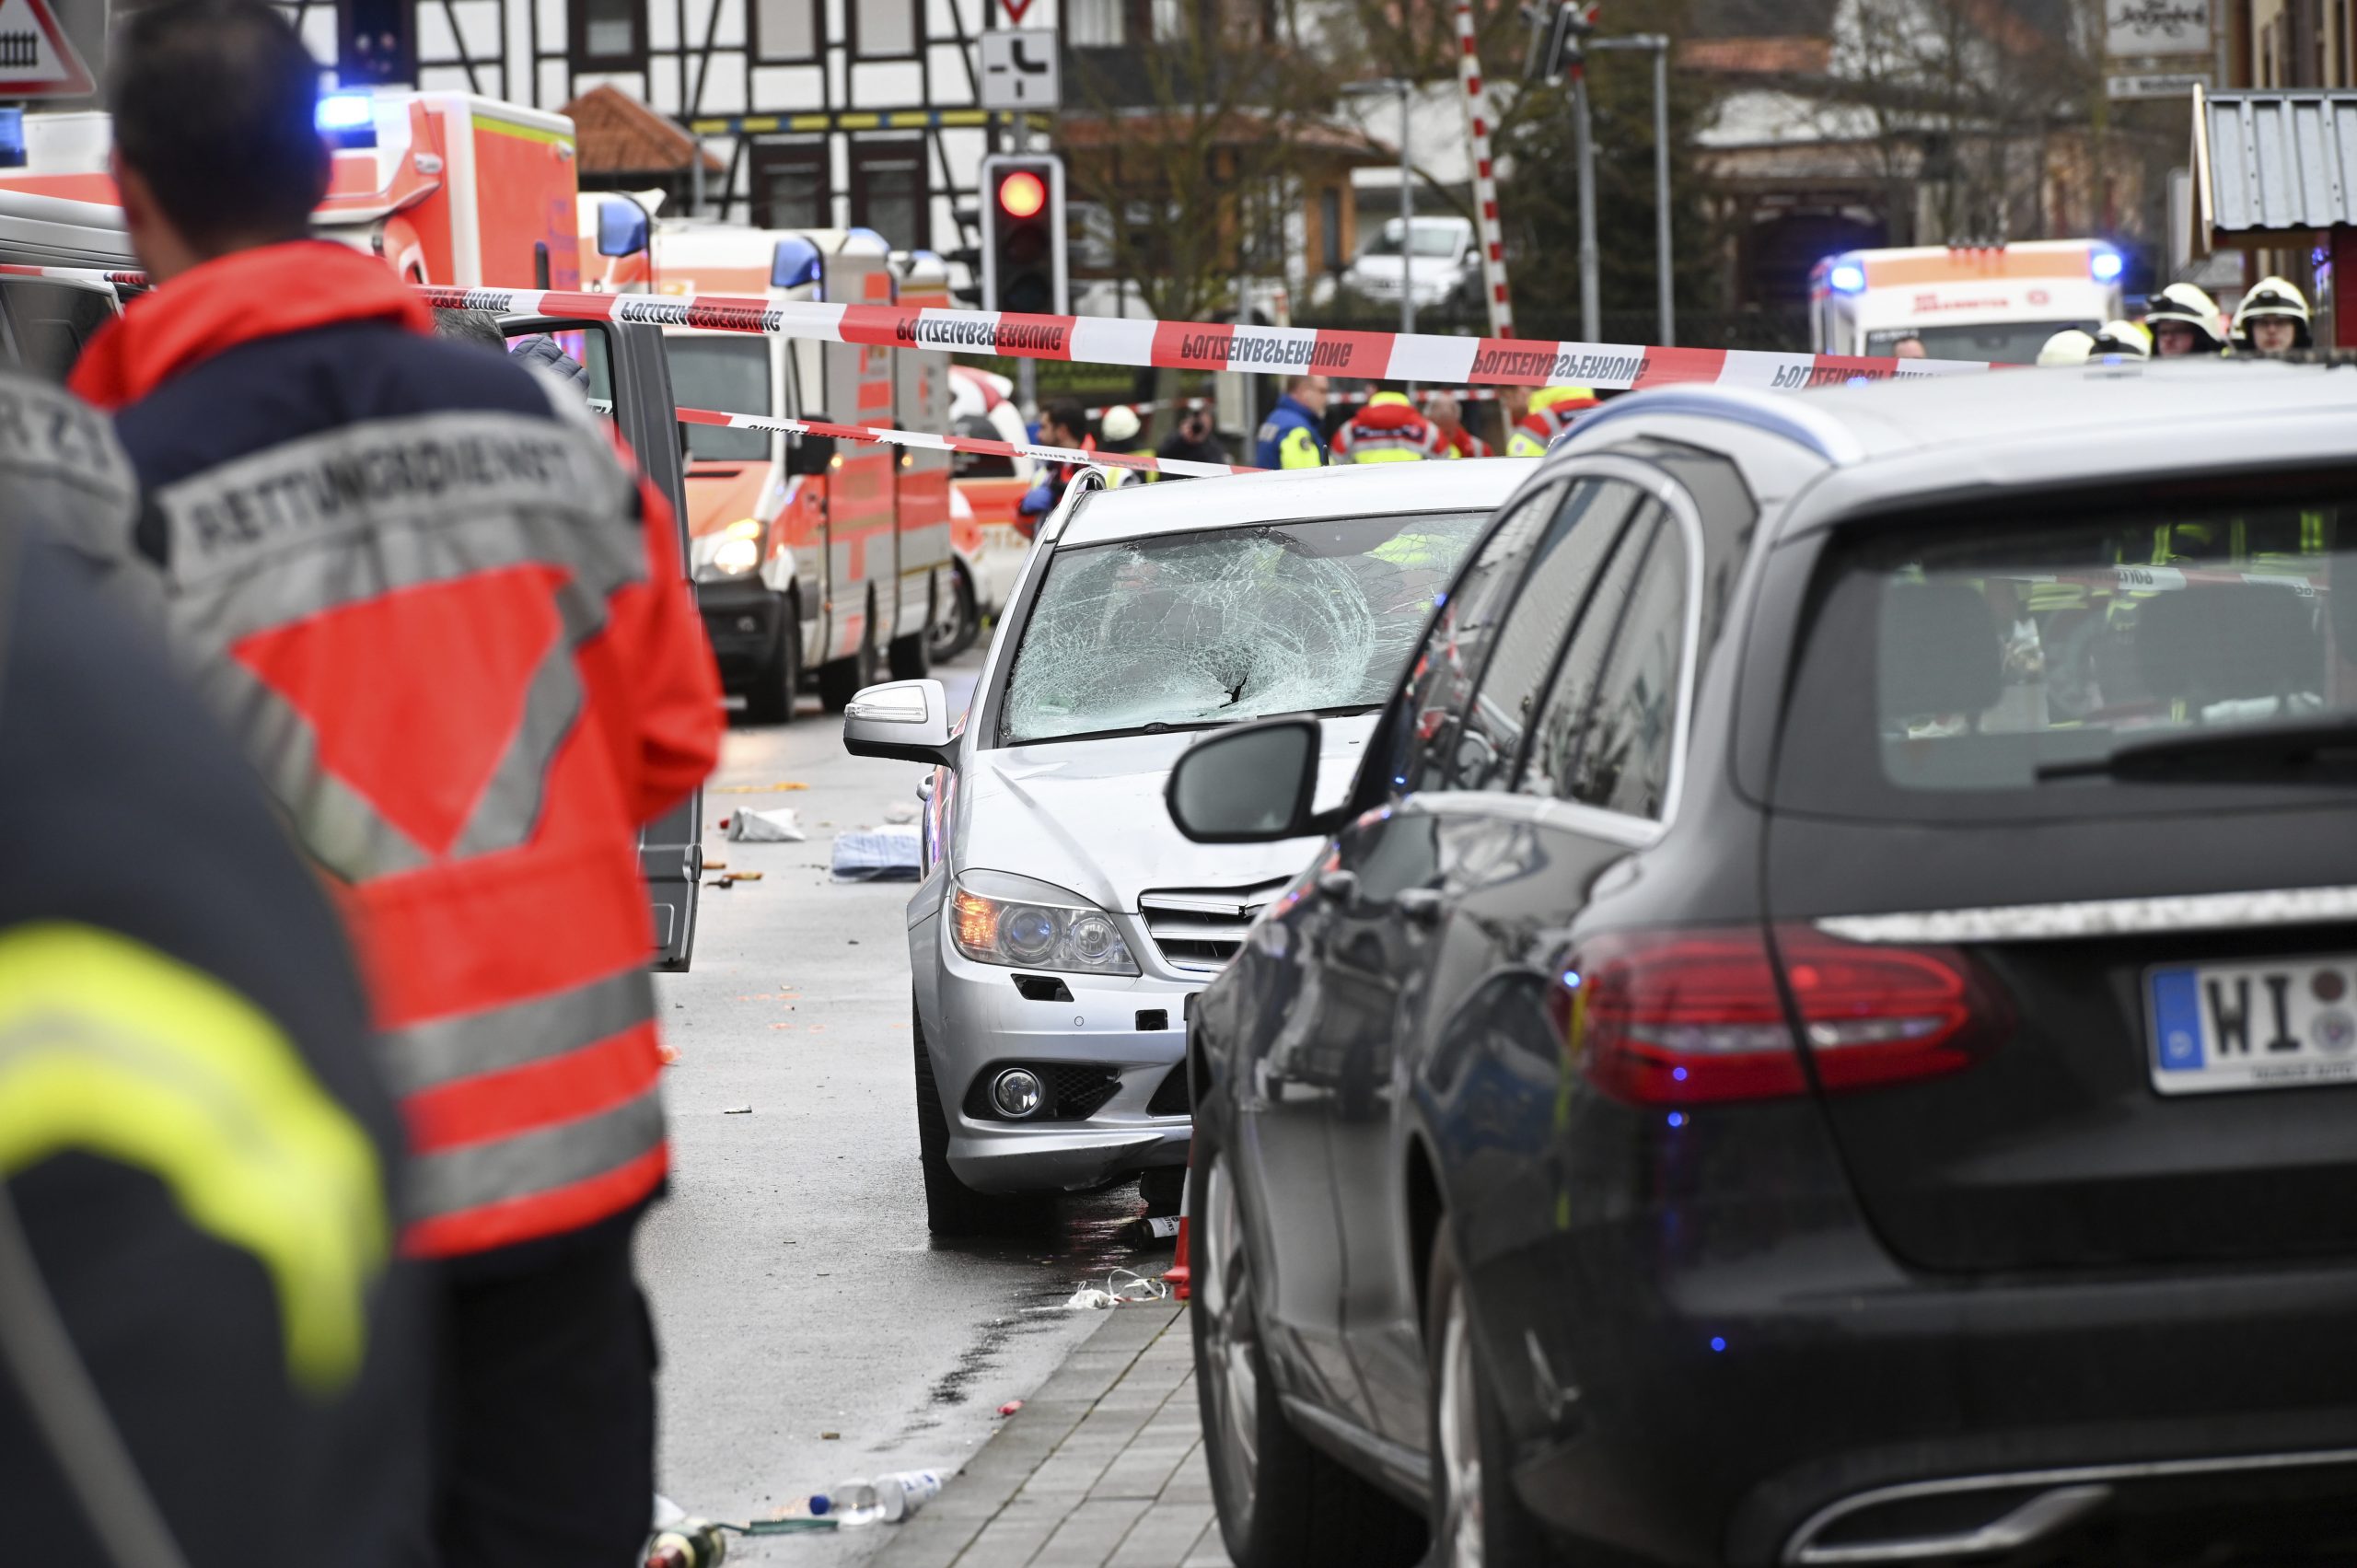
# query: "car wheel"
1282,1504
770,699
958,623
952,1209
1477,1521
842,679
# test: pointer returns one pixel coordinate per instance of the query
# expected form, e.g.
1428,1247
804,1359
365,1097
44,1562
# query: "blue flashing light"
1847,277
1571,980
1677,1118
883,246
621,227
1718,1344
1678,1074
793,263
12,138
1441,597
2105,266
346,112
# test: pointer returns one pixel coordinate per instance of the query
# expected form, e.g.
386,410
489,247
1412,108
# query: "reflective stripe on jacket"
1386,433
1290,437
450,630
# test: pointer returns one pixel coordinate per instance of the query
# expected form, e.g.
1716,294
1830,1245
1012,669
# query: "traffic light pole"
1027,370
1658,45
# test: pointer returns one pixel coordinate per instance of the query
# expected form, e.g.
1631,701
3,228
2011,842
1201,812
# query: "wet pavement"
811,1330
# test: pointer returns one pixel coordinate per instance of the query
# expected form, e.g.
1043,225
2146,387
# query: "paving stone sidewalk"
1103,1468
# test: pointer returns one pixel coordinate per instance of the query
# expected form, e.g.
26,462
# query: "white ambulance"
1998,303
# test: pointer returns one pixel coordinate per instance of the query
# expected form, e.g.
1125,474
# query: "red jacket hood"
235,299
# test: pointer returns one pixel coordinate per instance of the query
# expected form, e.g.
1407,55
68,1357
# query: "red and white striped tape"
1485,180
1203,345
878,434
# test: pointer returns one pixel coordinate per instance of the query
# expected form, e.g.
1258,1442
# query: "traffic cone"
1178,1276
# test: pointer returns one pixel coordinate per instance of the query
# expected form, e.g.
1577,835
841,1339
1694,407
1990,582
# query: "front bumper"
742,615
981,1020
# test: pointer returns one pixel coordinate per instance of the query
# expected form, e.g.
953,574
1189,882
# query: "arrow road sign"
1019,68
37,59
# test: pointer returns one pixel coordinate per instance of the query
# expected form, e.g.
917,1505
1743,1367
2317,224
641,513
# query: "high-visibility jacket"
1389,430
1290,437
1553,410
1462,443
450,628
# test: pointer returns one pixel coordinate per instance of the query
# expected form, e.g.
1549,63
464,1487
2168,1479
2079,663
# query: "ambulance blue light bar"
346,112
2105,266
1847,277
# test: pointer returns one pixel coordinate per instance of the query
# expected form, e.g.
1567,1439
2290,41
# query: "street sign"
2133,28
2155,83
1019,69
37,59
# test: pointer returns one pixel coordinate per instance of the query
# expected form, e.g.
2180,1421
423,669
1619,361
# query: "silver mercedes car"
1063,925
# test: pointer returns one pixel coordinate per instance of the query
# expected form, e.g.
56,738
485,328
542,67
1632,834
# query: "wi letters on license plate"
2269,1025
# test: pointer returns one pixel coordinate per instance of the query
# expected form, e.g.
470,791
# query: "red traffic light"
1022,195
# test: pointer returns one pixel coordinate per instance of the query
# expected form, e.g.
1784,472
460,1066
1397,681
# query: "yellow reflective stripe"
1388,455
1298,451
1523,444
112,1048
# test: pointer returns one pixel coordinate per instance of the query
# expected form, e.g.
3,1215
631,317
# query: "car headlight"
1027,925
736,549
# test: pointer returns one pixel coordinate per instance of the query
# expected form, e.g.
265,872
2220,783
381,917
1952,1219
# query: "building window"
886,29
887,192
609,35
789,186
787,29
1096,23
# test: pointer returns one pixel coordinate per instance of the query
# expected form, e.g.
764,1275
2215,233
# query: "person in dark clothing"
205,1347
1194,440
449,627
1060,424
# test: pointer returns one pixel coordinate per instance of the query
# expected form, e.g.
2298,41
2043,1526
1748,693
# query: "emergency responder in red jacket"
1448,417
1387,430
204,1341
451,630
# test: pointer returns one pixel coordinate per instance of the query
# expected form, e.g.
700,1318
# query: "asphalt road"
811,1330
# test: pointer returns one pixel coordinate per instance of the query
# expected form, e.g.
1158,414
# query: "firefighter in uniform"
208,1349
2272,319
1387,430
1293,436
2184,320
450,628
1552,411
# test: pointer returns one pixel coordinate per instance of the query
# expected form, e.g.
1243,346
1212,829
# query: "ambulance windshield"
1994,342
1186,631
728,374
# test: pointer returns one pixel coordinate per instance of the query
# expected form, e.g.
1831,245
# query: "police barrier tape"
1200,345
878,434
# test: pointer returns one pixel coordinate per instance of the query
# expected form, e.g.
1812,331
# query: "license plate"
2272,1024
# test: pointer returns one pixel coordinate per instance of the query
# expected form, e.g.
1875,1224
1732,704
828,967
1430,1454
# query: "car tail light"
1674,1017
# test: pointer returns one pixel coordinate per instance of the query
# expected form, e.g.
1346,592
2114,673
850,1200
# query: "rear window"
2155,661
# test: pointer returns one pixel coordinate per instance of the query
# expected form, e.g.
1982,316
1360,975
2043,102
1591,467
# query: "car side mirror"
907,721
1247,785
809,453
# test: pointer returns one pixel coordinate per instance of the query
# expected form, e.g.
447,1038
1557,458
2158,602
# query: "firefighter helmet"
2069,347
2277,299
2125,339
2187,306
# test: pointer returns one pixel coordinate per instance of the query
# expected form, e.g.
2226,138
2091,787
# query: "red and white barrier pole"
1485,181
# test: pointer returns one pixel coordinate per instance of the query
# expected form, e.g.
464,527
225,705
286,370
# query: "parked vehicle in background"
1998,303
1063,926
809,557
1440,263
1822,1031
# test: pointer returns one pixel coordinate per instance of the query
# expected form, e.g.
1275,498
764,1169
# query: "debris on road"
738,1111
1120,1287
888,853
779,824
730,879
1010,1407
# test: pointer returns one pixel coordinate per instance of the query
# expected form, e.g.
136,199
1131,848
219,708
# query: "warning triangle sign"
37,59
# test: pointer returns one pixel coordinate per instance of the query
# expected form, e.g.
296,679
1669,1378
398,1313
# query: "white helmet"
2069,347
2278,299
2187,306
2125,339
1120,424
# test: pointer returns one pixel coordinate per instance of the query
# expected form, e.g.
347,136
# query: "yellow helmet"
1389,400
1558,396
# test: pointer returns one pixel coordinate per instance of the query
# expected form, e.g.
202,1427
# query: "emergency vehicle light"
12,138
2104,265
1847,278
621,227
346,112
793,263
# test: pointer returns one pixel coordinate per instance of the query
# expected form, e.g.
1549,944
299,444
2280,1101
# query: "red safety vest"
456,646
1385,428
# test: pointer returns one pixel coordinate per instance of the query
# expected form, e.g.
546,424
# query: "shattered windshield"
1191,630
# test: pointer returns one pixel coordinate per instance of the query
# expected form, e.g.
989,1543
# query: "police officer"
1387,430
2272,319
448,625
208,1354
1553,411
2184,321
1293,436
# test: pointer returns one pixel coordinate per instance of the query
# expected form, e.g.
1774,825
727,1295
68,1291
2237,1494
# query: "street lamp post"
1406,90
1659,46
